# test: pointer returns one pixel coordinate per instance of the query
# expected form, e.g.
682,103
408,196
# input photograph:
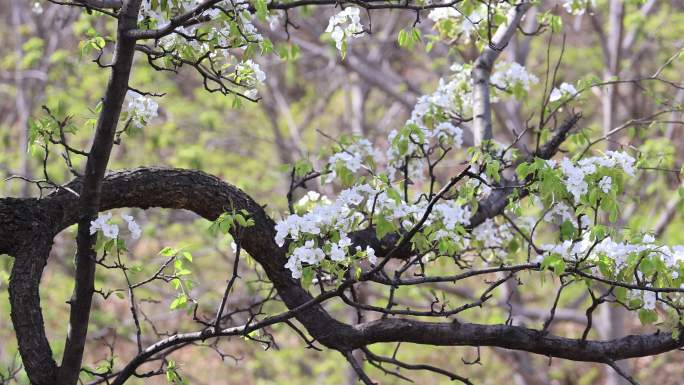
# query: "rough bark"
89,200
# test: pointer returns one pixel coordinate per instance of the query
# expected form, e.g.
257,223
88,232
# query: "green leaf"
168,251
383,226
307,276
261,9
647,317
554,262
180,302
567,230
402,38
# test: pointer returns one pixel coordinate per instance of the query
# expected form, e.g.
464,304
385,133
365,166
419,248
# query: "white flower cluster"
340,216
469,22
250,75
565,90
248,28
618,252
110,230
445,133
510,74
577,7
344,26
217,39
450,99
173,40
649,298
438,14
352,157
452,214
482,185
493,236
605,184
313,230
558,213
141,110
312,197
575,173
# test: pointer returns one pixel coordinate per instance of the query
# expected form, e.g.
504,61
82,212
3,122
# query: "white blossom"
438,14
248,29
141,110
133,227
468,23
452,214
564,90
559,210
344,26
352,157
576,7
337,253
102,223
605,184
251,76
493,236
575,173
471,22
370,254
649,300
307,253
448,132
252,71
507,75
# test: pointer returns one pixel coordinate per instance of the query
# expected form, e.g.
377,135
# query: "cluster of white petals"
312,197
111,230
248,29
102,224
344,26
133,226
576,172
438,14
141,109
493,237
618,252
339,216
577,7
563,91
468,22
217,39
605,184
313,230
251,76
510,74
